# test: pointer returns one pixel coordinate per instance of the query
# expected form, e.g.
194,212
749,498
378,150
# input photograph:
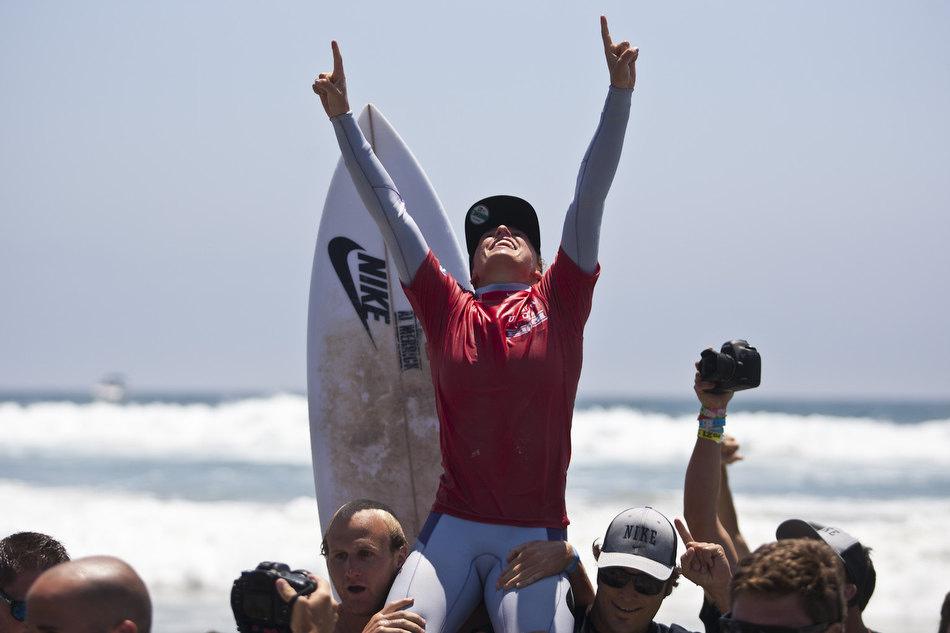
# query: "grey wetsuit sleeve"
380,196
581,234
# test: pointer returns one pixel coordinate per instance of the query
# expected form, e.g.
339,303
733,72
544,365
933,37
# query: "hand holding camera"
314,612
735,367
264,600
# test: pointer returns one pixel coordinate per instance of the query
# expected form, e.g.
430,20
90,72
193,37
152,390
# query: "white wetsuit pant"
456,563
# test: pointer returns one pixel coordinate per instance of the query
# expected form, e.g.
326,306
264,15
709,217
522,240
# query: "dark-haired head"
28,551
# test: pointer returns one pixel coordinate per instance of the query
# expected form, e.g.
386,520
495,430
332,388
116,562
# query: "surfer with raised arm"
505,362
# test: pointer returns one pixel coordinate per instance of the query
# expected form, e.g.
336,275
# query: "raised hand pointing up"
331,87
706,565
621,59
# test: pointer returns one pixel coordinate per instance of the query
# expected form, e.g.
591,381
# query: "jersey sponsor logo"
526,321
370,296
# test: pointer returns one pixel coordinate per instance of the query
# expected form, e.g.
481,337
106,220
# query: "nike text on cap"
489,213
640,539
857,563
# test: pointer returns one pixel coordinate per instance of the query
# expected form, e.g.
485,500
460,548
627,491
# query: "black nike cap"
489,213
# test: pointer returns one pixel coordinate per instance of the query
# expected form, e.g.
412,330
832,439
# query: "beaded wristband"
712,424
705,412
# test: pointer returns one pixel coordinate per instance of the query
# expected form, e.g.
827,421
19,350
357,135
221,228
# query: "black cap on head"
488,213
857,564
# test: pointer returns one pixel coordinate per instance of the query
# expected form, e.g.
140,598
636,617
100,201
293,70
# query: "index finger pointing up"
684,531
605,33
337,60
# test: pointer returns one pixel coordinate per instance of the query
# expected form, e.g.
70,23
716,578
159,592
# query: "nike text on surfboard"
372,295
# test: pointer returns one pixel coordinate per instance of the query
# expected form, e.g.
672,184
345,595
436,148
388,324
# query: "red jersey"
505,369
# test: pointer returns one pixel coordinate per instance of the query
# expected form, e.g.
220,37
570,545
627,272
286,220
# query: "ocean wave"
275,430
178,546
629,436
268,430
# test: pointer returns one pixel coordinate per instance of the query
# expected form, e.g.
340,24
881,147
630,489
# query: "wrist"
711,412
712,424
720,597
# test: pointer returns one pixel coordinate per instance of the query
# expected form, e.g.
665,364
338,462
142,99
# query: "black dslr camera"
735,367
257,606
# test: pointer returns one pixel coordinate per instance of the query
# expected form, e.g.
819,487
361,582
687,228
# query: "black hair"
28,551
866,588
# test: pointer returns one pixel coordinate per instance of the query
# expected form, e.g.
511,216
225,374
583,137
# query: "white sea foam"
275,429
271,429
626,435
177,546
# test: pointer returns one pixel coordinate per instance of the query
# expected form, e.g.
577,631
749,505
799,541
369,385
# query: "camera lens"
716,367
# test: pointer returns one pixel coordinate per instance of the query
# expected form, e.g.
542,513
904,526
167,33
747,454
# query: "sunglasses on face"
728,625
618,578
17,607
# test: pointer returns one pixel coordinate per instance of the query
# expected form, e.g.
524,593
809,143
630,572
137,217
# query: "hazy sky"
785,178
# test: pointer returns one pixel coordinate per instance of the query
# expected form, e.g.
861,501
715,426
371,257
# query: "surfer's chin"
507,274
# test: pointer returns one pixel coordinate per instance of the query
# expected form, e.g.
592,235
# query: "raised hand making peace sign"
621,59
331,87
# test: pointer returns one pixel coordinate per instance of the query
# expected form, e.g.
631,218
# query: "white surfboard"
373,425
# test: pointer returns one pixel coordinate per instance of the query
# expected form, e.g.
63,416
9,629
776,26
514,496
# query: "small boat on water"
110,389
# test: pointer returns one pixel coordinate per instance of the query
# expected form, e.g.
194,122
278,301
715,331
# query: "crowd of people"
493,555
812,578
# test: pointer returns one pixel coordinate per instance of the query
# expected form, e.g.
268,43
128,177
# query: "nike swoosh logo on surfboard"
371,298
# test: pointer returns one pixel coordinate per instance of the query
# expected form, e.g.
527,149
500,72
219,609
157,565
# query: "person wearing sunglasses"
23,557
636,571
789,586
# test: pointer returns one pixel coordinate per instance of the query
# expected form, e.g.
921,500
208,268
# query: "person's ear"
850,591
126,626
401,556
595,548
